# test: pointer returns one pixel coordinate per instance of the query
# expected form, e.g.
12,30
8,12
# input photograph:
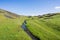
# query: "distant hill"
8,14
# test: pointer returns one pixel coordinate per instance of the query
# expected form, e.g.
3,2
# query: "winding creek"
28,32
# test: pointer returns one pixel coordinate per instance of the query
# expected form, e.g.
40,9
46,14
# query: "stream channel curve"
28,32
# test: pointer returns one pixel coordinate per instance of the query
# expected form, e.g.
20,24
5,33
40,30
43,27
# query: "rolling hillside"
18,27
45,27
10,26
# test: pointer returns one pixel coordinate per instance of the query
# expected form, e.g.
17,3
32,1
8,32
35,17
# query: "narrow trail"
28,32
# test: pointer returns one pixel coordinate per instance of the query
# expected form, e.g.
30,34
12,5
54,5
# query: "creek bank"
28,32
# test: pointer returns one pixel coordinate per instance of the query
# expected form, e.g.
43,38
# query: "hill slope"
45,27
10,26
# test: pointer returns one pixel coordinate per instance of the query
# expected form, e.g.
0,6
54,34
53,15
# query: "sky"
30,7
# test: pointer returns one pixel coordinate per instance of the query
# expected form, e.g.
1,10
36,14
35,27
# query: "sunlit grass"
45,29
10,29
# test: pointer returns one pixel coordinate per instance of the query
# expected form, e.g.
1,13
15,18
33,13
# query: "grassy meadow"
10,29
45,27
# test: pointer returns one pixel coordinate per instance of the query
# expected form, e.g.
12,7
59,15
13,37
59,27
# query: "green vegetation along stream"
18,27
28,32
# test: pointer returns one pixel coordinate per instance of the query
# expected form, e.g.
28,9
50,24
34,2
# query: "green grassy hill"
45,27
10,26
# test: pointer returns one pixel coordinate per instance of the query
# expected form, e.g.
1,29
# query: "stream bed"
28,32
